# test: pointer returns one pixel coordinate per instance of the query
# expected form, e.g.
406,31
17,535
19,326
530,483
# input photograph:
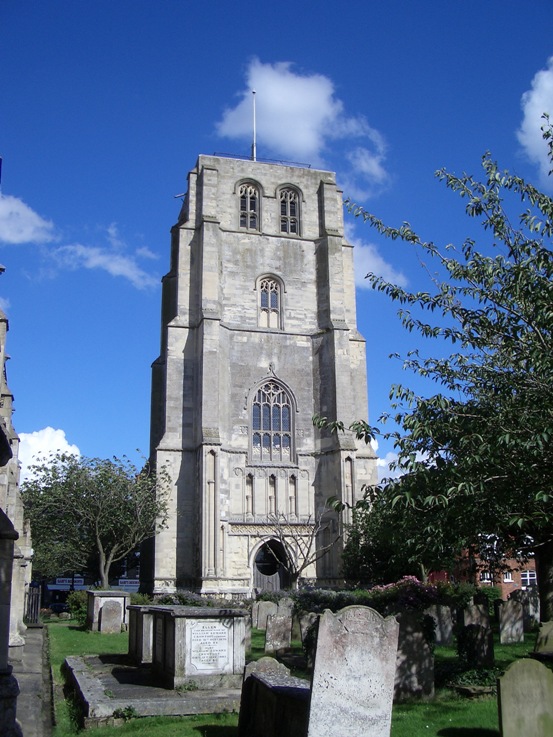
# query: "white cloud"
39,444
77,256
300,118
20,224
4,304
367,259
535,102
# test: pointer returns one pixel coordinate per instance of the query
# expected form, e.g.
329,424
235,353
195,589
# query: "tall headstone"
511,622
414,677
475,614
475,645
544,640
353,677
265,609
278,635
443,623
525,700
530,600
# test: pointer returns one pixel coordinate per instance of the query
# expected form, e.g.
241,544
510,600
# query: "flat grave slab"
106,683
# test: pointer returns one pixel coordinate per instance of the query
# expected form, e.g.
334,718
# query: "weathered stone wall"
214,356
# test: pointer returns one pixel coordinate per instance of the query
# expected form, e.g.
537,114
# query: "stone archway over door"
268,571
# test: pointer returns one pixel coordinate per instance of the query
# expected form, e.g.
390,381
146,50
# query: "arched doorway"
268,572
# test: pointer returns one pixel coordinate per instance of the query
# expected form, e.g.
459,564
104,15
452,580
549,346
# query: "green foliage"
125,713
82,508
408,594
78,606
183,598
138,598
476,458
491,594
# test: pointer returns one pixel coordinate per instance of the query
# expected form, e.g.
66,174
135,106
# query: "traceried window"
272,424
249,206
270,300
289,211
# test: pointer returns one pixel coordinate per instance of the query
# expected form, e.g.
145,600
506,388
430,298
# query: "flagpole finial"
254,144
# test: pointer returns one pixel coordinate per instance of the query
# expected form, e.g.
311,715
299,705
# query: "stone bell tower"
258,335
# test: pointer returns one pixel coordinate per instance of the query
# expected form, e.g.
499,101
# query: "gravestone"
96,600
475,645
544,640
525,700
511,622
353,677
111,618
255,611
351,690
443,623
265,609
475,614
278,634
285,606
530,601
414,677
307,620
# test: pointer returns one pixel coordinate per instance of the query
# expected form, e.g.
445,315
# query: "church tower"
258,335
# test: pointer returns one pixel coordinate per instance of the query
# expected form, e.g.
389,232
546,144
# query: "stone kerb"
200,646
525,700
97,599
278,635
414,676
511,622
353,676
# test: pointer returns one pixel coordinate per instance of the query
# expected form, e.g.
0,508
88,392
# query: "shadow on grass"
468,732
216,730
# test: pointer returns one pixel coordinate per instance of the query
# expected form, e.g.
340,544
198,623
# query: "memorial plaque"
209,646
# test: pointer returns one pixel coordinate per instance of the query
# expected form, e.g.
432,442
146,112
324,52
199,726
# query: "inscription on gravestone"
209,645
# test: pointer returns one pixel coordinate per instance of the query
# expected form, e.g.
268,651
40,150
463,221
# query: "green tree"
477,456
83,509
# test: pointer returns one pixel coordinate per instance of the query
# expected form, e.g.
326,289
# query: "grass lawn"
447,716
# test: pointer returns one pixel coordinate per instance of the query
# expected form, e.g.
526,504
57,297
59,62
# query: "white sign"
69,581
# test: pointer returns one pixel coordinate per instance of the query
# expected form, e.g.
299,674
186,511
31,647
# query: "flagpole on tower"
254,145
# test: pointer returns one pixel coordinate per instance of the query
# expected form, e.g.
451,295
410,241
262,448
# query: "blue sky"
105,106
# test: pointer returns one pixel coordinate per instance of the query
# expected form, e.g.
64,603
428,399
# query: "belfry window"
249,206
270,303
271,424
289,211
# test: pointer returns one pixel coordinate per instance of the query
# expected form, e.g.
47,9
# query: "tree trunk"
544,572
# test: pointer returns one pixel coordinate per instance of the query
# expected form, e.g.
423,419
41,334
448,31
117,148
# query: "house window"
486,577
507,577
249,206
528,578
271,424
289,211
270,300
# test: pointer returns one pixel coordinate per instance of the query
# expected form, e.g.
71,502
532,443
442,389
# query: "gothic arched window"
271,428
289,211
249,206
270,302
